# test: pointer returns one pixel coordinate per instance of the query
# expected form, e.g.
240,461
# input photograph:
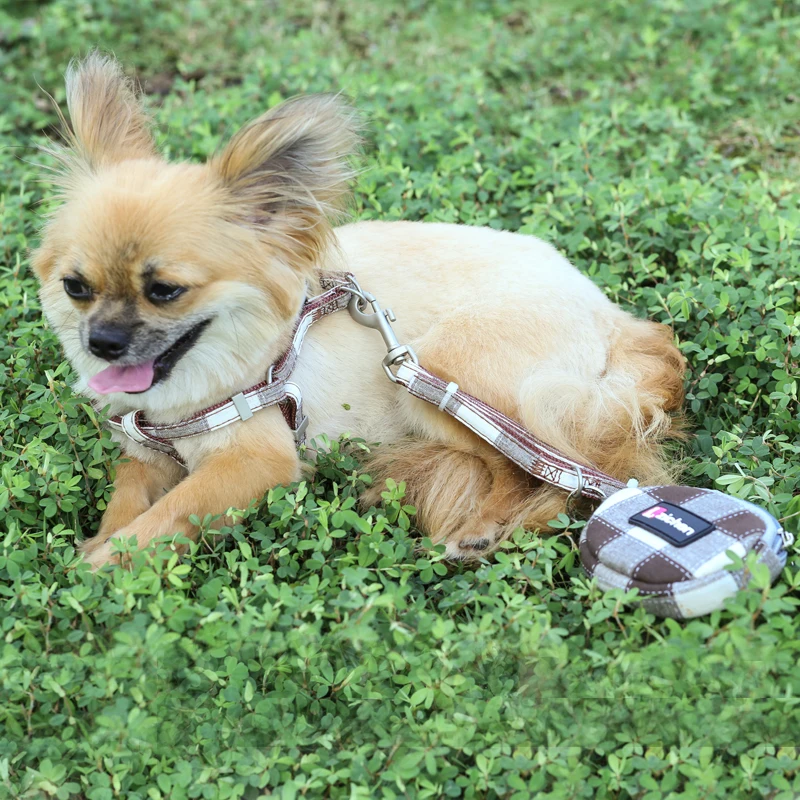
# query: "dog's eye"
163,292
77,289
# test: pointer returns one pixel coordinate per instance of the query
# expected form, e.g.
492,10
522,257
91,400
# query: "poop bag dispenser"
672,543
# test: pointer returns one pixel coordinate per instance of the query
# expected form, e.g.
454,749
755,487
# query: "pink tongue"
123,379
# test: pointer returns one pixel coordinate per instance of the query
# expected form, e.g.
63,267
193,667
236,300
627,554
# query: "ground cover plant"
313,651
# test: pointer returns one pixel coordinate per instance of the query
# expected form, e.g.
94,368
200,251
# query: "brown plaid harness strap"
340,291
277,389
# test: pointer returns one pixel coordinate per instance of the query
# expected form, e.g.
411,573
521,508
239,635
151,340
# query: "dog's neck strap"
340,291
276,390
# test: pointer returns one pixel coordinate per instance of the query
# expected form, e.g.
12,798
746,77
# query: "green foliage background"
313,652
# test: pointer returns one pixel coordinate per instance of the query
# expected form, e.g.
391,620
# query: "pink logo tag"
653,512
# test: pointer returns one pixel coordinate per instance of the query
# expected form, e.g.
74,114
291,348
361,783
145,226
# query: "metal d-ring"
578,490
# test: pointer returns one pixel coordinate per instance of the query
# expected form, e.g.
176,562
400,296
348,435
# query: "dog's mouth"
139,378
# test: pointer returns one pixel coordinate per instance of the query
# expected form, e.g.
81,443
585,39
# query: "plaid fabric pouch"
671,543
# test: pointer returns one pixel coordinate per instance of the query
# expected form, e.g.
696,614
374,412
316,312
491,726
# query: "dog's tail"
618,417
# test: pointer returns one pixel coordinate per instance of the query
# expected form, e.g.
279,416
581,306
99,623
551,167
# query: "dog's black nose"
109,341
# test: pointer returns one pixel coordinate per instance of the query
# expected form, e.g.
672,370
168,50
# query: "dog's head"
169,284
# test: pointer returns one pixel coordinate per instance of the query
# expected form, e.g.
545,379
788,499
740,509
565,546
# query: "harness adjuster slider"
451,389
242,407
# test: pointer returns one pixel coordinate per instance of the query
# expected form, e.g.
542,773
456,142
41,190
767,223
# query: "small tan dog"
174,286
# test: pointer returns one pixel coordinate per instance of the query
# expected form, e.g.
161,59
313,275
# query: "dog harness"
341,290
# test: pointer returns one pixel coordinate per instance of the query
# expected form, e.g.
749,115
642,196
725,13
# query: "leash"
341,290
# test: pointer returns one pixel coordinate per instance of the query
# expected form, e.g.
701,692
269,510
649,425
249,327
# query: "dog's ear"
288,173
108,122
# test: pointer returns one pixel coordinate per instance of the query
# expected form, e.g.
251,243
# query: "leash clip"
380,320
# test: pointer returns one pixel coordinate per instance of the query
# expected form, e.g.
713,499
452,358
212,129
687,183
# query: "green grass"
312,651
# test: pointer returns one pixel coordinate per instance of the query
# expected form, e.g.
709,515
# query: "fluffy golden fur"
243,236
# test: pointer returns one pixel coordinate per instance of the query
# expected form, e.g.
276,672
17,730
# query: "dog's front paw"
101,550
100,556
104,548
118,522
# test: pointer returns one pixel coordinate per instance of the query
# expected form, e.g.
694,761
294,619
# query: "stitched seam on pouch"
672,561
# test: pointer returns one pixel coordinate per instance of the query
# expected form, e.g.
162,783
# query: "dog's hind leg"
470,498
606,404
467,497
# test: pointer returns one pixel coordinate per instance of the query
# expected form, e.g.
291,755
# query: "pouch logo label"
653,512
673,523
